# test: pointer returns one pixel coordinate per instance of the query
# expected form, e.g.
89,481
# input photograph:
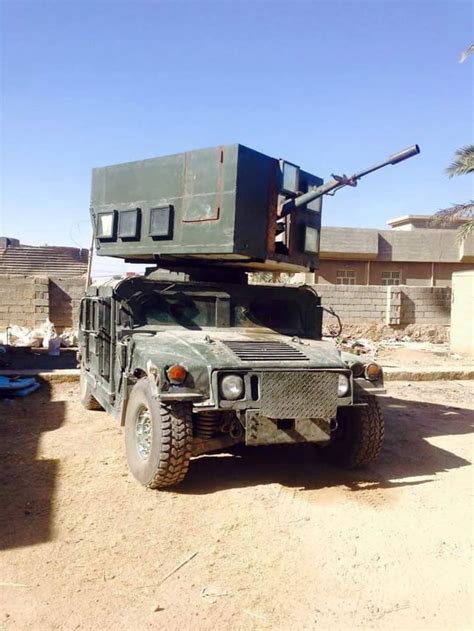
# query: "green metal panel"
221,203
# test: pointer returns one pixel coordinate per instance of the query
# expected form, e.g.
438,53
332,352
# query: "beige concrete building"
412,252
462,314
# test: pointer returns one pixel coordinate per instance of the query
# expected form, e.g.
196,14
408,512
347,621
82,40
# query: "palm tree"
463,164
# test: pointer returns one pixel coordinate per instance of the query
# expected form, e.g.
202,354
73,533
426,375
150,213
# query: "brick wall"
396,305
29,300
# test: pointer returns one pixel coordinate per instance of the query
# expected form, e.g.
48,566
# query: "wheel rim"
143,430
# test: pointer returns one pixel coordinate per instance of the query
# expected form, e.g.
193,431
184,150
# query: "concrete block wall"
425,305
64,299
29,300
23,300
354,303
397,305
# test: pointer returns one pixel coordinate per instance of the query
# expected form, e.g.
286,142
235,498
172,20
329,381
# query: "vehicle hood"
196,349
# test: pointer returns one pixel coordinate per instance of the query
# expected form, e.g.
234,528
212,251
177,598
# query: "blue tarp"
17,386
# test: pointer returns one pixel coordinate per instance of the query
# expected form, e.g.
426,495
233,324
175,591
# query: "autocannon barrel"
403,155
339,181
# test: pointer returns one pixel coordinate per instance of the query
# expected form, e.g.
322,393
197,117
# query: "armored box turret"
207,207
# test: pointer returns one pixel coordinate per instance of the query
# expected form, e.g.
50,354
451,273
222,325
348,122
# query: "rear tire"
85,396
158,438
359,437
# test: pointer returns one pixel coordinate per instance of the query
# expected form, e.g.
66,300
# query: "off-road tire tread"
369,440
176,444
363,439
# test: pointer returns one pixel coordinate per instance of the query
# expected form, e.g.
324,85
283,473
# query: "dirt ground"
421,355
278,540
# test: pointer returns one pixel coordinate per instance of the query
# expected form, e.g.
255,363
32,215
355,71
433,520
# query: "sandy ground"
277,540
421,355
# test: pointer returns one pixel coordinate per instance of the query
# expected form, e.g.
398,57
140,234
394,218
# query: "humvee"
192,358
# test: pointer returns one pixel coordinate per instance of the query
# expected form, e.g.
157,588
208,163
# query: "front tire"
158,438
359,437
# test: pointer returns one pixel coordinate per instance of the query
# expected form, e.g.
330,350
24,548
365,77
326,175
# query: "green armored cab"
191,358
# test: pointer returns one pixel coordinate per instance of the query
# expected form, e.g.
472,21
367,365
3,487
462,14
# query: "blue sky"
332,86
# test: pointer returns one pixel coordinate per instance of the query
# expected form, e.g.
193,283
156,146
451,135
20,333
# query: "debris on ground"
435,334
358,346
43,336
68,338
371,339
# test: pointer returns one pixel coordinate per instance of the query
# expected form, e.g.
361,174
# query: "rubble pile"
377,338
435,334
358,346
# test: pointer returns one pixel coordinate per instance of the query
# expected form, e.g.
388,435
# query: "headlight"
342,386
232,387
357,369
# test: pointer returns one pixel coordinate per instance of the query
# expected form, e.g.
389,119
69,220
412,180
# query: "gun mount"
227,206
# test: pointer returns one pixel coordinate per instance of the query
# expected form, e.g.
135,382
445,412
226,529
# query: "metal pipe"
341,181
89,261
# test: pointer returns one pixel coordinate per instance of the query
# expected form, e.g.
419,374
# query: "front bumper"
364,387
261,430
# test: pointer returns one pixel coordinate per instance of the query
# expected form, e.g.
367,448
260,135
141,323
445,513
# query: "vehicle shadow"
407,454
27,483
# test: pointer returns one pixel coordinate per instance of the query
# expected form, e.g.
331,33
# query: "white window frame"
346,277
392,277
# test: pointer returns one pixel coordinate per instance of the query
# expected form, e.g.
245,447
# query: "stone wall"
29,300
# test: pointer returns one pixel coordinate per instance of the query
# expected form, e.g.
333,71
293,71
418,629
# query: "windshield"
273,314
197,312
181,310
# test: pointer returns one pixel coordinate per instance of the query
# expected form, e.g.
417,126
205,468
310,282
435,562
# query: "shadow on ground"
27,483
25,358
407,454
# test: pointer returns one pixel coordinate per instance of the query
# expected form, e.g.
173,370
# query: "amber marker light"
177,373
373,372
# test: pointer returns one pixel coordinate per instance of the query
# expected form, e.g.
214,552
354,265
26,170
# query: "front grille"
299,394
249,351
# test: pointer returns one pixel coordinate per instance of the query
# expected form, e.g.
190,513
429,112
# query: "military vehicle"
192,358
